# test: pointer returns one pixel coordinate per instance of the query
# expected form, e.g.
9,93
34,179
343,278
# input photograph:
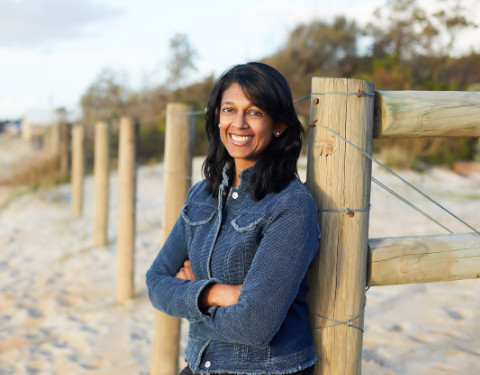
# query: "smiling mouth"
240,138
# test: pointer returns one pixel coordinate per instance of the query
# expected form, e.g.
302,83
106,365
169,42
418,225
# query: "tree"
398,29
318,45
453,20
404,29
105,99
181,60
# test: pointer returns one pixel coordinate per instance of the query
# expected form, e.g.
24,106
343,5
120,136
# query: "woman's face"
245,130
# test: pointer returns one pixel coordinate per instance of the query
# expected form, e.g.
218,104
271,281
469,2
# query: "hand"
219,295
185,273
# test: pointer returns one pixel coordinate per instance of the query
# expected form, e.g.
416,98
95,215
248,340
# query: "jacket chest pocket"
199,232
245,235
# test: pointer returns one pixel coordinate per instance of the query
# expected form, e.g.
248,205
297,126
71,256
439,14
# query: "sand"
58,313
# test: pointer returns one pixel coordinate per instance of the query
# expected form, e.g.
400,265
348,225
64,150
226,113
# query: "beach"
58,313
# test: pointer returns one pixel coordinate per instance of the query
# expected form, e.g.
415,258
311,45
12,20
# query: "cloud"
25,23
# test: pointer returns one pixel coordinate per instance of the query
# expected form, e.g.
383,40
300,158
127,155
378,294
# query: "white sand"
57,294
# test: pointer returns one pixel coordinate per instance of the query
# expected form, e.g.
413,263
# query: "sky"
51,51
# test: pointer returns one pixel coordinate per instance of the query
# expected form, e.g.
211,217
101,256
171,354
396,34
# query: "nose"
239,121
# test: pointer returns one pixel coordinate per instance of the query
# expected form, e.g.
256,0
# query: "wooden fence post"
52,140
101,175
78,136
338,176
64,142
126,210
178,170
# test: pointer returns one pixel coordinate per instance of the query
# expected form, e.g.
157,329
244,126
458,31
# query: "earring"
277,133
218,124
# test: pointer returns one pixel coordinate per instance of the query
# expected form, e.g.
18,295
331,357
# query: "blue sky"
52,50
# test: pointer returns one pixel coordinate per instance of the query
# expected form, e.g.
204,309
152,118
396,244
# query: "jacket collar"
245,176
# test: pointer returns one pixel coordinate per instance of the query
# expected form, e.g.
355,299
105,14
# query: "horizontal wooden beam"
406,260
400,114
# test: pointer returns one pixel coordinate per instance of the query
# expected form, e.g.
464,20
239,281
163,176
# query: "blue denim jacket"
265,245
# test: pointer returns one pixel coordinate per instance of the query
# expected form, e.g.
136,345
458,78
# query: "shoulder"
296,206
198,192
296,190
294,197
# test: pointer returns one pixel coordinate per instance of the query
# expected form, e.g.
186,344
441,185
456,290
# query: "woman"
234,264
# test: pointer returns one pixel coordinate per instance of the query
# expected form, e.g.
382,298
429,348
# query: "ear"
278,129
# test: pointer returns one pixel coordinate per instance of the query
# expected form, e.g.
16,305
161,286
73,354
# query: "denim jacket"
265,245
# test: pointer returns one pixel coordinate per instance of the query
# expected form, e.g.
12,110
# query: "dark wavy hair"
268,89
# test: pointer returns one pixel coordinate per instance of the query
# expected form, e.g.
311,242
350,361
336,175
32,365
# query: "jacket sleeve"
173,296
289,244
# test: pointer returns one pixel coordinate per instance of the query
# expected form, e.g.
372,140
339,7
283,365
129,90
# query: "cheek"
223,136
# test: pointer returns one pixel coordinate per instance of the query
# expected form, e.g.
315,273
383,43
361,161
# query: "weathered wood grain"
426,114
421,259
338,176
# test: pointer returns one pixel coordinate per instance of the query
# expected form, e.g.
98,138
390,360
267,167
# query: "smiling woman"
274,133
234,264
245,130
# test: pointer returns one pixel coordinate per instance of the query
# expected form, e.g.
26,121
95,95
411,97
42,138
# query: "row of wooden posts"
127,188
175,182
338,176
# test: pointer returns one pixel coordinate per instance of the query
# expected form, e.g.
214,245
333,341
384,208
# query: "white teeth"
238,138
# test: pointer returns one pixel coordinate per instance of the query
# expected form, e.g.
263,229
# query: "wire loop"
347,323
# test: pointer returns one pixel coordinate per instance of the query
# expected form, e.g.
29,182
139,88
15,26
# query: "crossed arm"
214,294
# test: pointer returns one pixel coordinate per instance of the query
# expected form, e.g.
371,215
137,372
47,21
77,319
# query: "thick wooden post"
126,210
78,136
178,170
338,176
101,175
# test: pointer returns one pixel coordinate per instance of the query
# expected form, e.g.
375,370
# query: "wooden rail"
426,114
421,259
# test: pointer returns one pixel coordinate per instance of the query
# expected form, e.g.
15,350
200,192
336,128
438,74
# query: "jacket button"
235,195
208,364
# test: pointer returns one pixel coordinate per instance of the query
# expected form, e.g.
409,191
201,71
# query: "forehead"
235,93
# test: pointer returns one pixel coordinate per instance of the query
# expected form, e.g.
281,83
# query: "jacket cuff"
197,314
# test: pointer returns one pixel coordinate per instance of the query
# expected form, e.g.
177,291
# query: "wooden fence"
346,114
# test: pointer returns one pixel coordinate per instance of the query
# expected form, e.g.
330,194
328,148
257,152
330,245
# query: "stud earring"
277,133
218,124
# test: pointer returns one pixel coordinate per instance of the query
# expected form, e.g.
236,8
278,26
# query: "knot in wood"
324,148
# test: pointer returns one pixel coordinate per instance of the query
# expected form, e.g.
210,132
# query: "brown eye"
228,110
255,114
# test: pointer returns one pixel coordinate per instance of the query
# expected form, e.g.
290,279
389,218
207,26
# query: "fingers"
181,274
185,273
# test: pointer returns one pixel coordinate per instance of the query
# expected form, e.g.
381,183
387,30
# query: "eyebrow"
233,103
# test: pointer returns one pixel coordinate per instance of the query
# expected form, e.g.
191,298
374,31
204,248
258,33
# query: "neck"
236,181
